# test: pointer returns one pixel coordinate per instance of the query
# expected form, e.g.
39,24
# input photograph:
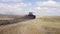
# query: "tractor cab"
31,16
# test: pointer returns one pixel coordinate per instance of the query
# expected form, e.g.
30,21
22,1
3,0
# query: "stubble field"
41,25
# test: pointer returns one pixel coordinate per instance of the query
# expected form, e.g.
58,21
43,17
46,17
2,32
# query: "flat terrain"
11,19
41,25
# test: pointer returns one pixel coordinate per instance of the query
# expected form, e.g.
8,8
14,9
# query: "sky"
23,7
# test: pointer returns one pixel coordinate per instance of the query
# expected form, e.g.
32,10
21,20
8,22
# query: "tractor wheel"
34,16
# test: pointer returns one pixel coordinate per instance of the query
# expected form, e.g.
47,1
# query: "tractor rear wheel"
33,17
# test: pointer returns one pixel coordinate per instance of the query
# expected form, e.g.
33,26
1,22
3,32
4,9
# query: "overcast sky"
38,7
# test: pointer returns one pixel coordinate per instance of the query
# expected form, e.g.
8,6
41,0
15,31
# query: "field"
41,25
11,19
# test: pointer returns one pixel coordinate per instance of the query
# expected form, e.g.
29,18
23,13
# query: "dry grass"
42,25
6,18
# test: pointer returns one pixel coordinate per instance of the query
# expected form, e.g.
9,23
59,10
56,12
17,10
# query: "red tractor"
30,16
